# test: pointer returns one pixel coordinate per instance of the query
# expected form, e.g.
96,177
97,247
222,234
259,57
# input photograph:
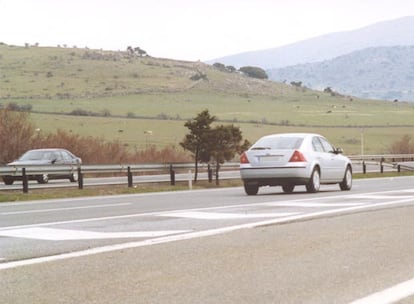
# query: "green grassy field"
149,94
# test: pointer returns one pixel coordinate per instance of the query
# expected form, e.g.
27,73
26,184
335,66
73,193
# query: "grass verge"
54,193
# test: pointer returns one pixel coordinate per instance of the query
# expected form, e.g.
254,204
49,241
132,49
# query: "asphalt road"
213,246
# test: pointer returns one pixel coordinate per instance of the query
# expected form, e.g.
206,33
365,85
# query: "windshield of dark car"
36,155
278,143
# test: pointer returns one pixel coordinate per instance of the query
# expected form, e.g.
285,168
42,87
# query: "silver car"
44,157
293,159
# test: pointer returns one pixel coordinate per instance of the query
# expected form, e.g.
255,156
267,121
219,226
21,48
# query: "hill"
389,33
376,73
121,96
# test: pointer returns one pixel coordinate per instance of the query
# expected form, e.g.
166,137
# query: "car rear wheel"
251,189
43,179
314,182
346,183
288,188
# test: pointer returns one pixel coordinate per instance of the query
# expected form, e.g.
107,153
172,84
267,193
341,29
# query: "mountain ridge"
386,33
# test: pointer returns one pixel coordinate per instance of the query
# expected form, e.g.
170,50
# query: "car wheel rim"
348,178
316,180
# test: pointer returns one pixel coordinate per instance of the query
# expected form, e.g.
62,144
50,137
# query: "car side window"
66,155
317,145
57,156
326,145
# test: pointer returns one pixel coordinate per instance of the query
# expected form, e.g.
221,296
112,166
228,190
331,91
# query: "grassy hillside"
118,96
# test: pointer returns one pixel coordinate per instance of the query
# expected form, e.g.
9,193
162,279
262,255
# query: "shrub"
402,146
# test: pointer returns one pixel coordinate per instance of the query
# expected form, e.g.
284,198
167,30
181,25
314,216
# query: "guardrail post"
172,175
129,177
25,181
364,167
210,173
381,167
80,178
399,168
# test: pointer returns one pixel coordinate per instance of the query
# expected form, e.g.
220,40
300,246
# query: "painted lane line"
64,209
188,236
390,295
311,205
50,234
226,216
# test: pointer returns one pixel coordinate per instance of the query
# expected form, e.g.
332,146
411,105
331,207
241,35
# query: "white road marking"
390,295
288,203
310,205
225,216
50,234
192,235
64,209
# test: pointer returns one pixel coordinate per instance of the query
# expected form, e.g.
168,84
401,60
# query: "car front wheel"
346,183
43,179
8,180
314,182
73,177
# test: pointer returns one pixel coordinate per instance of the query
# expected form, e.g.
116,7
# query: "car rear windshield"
278,143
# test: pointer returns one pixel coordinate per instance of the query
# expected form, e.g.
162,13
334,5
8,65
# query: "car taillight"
244,159
297,157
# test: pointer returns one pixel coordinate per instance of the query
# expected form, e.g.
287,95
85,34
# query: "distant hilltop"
397,32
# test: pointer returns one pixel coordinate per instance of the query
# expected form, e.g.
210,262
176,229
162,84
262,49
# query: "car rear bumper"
275,176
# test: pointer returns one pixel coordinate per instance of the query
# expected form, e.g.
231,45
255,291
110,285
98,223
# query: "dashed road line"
64,209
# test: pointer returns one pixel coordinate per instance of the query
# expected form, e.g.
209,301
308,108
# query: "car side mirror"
338,151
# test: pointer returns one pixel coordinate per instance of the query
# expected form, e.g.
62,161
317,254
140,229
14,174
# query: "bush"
403,146
18,134
254,72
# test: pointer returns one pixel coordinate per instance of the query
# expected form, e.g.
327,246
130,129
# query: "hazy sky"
187,29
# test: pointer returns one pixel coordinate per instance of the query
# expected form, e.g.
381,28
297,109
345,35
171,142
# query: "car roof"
293,135
48,149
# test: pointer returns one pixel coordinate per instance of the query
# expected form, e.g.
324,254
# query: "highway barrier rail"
395,161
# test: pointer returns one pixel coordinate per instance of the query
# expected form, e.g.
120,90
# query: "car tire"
43,179
74,177
288,188
251,189
8,180
314,182
346,183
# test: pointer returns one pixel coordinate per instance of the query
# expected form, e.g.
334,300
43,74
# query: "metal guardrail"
392,160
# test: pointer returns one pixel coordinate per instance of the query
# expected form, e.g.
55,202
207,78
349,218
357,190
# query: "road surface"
213,246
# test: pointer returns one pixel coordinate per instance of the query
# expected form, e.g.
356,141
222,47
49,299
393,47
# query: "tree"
196,141
254,72
223,144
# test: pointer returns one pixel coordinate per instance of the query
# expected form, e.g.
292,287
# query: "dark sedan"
45,157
